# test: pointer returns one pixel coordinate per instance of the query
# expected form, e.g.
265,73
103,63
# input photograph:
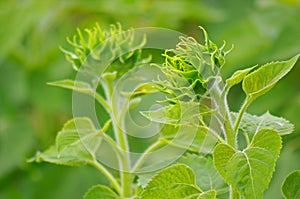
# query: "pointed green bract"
190,66
250,171
75,144
174,182
100,191
252,123
207,177
291,185
105,46
263,79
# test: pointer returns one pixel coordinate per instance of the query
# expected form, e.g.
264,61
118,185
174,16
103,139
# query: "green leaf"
83,87
175,182
252,123
182,125
238,76
181,113
211,194
249,171
221,156
161,115
79,86
263,79
291,185
142,89
100,191
207,177
75,144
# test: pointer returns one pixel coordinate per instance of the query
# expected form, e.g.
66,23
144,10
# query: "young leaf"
180,113
181,124
142,89
207,177
175,182
252,123
263,79
81,87
238,76
291,185
78,86
161,115
100,191
75,144
249,171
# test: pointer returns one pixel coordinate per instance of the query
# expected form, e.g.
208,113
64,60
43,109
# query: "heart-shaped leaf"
249,171
75,144
175,182
291,185
207,177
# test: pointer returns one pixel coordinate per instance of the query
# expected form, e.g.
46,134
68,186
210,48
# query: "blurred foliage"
31,112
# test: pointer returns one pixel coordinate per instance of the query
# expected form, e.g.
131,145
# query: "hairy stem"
124,160
246,138
121,140
240,114
221,102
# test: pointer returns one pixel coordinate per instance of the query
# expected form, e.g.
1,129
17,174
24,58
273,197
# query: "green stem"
191,148
230,136
102,101
112,143
122,142
124,110
143,157
221,100
124,160
246,138
126,184
240,114
107,174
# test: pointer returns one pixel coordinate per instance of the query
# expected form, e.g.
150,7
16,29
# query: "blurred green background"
31,112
